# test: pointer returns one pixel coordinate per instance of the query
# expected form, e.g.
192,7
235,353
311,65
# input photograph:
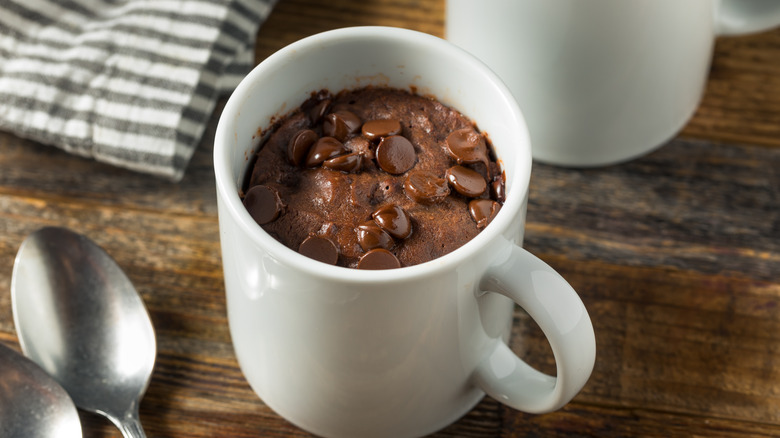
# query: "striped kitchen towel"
128,82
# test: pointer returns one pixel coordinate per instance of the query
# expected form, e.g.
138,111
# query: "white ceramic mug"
602,81
404,352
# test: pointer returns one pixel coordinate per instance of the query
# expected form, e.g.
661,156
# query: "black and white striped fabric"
128,82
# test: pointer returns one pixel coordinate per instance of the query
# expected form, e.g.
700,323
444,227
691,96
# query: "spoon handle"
130,425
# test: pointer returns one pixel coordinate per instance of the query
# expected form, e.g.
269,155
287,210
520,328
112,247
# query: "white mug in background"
404,352
602,81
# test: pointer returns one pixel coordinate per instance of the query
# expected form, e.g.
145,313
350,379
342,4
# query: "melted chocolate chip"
425,187
345,163
371,236
324,149
341,124
395,154
467,146
466,181
378,258
498,189
317,112
483,211
375,129
299,146
263,204
320,249
393,219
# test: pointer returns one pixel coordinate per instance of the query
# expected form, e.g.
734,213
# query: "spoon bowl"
32,404
79,317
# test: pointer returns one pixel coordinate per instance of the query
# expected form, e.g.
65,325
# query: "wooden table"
676,255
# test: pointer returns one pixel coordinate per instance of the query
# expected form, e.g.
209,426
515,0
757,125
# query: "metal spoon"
32,404
79,317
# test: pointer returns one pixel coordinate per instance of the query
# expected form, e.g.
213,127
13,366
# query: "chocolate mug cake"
374,178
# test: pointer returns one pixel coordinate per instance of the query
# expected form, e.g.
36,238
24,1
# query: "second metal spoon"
32,404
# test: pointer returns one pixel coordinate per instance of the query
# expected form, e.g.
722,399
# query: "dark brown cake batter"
375,171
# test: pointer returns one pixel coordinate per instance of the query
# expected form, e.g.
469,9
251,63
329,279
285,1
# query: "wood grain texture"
292,20
676,256
691,204
740,102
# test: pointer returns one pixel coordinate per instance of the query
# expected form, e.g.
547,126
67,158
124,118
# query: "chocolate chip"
319,109
341,124
393,219
263,204
466,181
426,187
324,149
375,129
345,163
320,249
498,189
395,154
299,146
371,236
378,258
483,211
467,146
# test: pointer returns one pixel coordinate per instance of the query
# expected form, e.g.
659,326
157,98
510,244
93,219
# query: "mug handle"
737,17
559,312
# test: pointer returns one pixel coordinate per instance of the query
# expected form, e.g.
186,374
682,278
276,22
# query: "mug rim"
228,189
